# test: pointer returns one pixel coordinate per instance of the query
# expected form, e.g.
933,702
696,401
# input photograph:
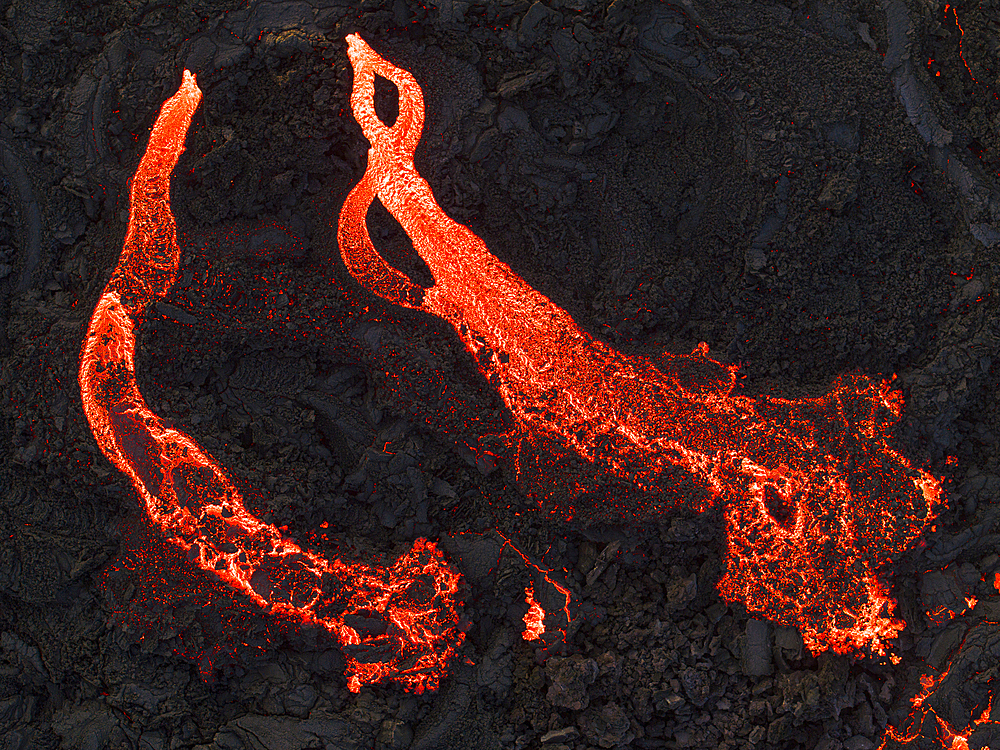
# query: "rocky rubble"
762,176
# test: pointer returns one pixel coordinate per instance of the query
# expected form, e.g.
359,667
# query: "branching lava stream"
397,623
815,500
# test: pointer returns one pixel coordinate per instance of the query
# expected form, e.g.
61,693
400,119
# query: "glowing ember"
534,619
815,499
397,623
942,613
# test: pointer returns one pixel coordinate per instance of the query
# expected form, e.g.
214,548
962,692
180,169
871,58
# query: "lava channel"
816,501
398,623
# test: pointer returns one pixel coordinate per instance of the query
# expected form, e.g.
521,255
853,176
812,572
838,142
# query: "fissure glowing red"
191,500
815,500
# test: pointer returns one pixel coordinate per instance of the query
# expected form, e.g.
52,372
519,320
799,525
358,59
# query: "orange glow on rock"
397,623
816,501
947,736
534,619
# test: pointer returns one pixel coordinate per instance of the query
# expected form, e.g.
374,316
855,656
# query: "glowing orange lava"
397,623
534,619
816,502
961,52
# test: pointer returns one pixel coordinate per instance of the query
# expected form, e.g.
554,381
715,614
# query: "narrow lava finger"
192,501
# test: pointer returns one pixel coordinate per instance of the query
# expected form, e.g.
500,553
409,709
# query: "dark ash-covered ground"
740,173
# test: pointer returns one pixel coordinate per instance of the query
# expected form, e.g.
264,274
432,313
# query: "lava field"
499,375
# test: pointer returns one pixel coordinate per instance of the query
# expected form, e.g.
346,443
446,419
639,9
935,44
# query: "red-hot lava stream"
815,500
398,623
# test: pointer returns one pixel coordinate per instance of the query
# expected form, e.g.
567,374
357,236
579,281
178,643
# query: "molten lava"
534,618
815,500
398,623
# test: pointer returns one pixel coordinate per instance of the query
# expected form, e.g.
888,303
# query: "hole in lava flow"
779,508
395,246
195,505
810,558
386,101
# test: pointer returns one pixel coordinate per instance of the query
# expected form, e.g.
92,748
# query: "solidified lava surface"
804,186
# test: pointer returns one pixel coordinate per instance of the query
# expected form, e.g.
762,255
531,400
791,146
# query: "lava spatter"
534,618
816,501
189,498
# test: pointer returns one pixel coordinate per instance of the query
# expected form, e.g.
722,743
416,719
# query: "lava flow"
815,500
398,623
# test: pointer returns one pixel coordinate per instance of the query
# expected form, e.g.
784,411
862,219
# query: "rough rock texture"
807,185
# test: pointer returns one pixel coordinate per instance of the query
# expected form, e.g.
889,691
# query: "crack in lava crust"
194,504
815,500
